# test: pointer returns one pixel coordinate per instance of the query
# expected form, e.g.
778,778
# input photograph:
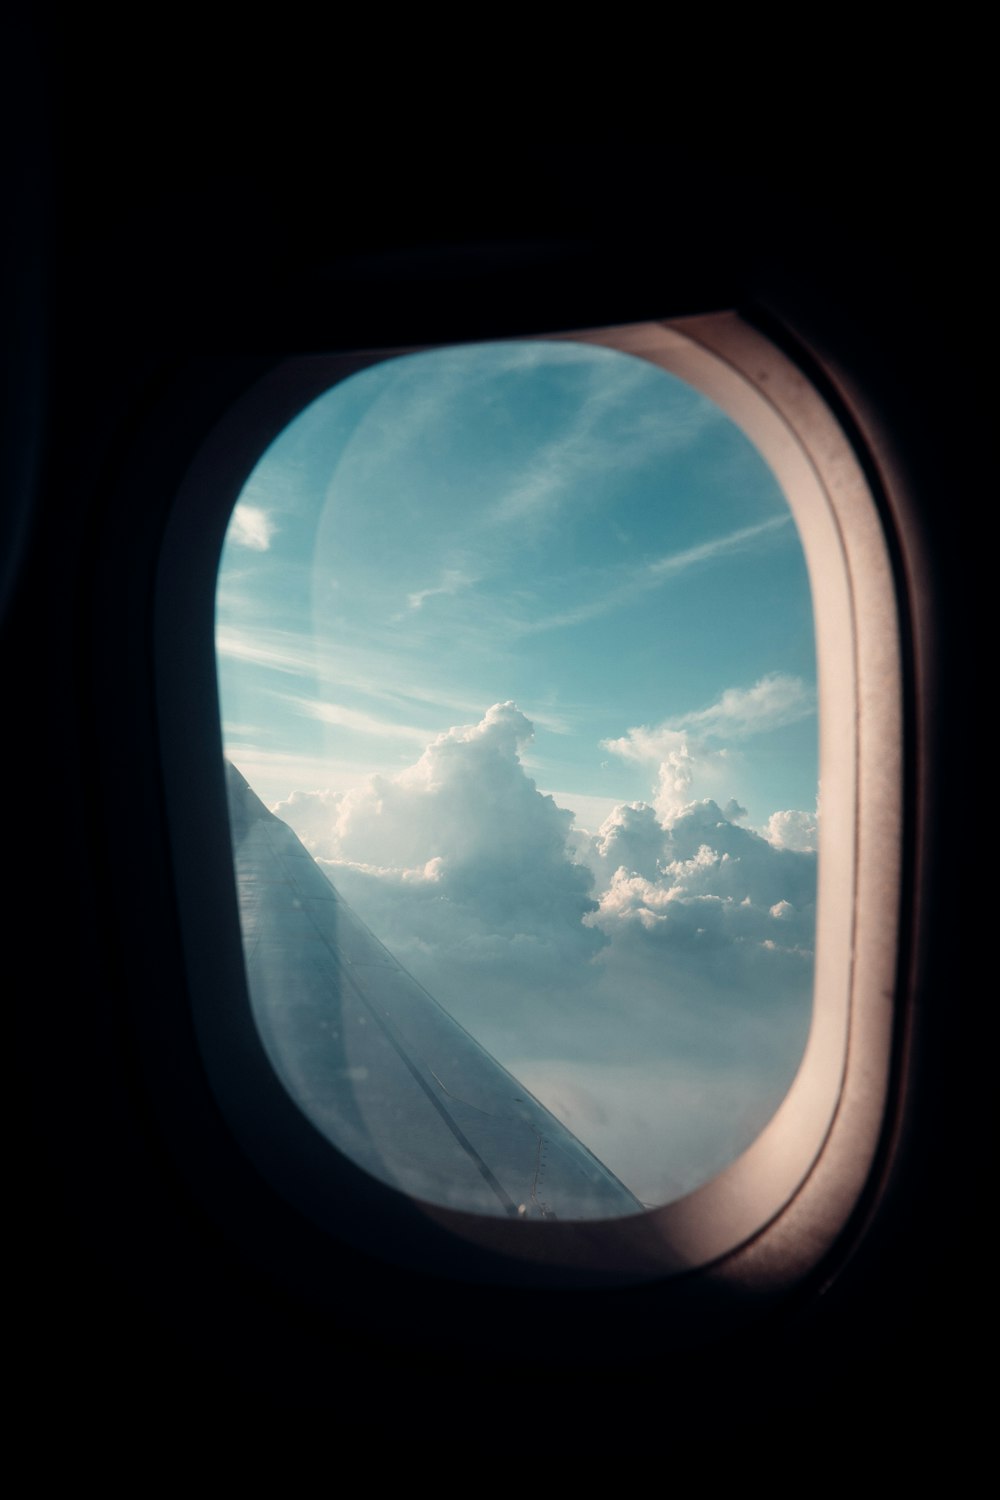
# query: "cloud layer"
672,945
460,865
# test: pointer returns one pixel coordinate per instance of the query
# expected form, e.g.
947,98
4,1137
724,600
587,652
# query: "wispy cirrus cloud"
603,436
774,701
282,650
382,676
771,703
720,546
655,574
355,719
453,580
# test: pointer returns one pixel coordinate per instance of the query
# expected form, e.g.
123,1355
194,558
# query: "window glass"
517,672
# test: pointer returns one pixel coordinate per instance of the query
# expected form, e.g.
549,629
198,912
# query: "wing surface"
377,1065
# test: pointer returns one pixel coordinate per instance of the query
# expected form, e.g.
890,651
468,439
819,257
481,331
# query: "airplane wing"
374,1061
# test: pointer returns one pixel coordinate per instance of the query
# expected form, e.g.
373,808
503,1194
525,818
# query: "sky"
518,638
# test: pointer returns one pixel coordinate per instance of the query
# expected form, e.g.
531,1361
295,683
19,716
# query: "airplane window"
518,679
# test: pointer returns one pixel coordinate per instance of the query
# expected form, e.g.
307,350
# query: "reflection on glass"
516,641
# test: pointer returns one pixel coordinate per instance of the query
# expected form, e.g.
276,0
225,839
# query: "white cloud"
773,702
606,435
721,546
700,888
686,750
458,863
632,837
355,719
452,580
662,959
251,526
364,671
793,830
459,860
686,765
655,574
271,771
581,448
589,812
282,650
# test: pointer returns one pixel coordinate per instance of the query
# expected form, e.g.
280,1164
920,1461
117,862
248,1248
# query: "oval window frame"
790,1193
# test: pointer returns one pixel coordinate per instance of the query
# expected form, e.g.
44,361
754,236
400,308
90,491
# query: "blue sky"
481,577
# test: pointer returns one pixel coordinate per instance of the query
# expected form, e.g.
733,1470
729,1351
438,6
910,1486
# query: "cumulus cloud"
753,867
793,830
676,946
686,748
252,527
459,863
708,927
699,1017
632,837
715,886
685,765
